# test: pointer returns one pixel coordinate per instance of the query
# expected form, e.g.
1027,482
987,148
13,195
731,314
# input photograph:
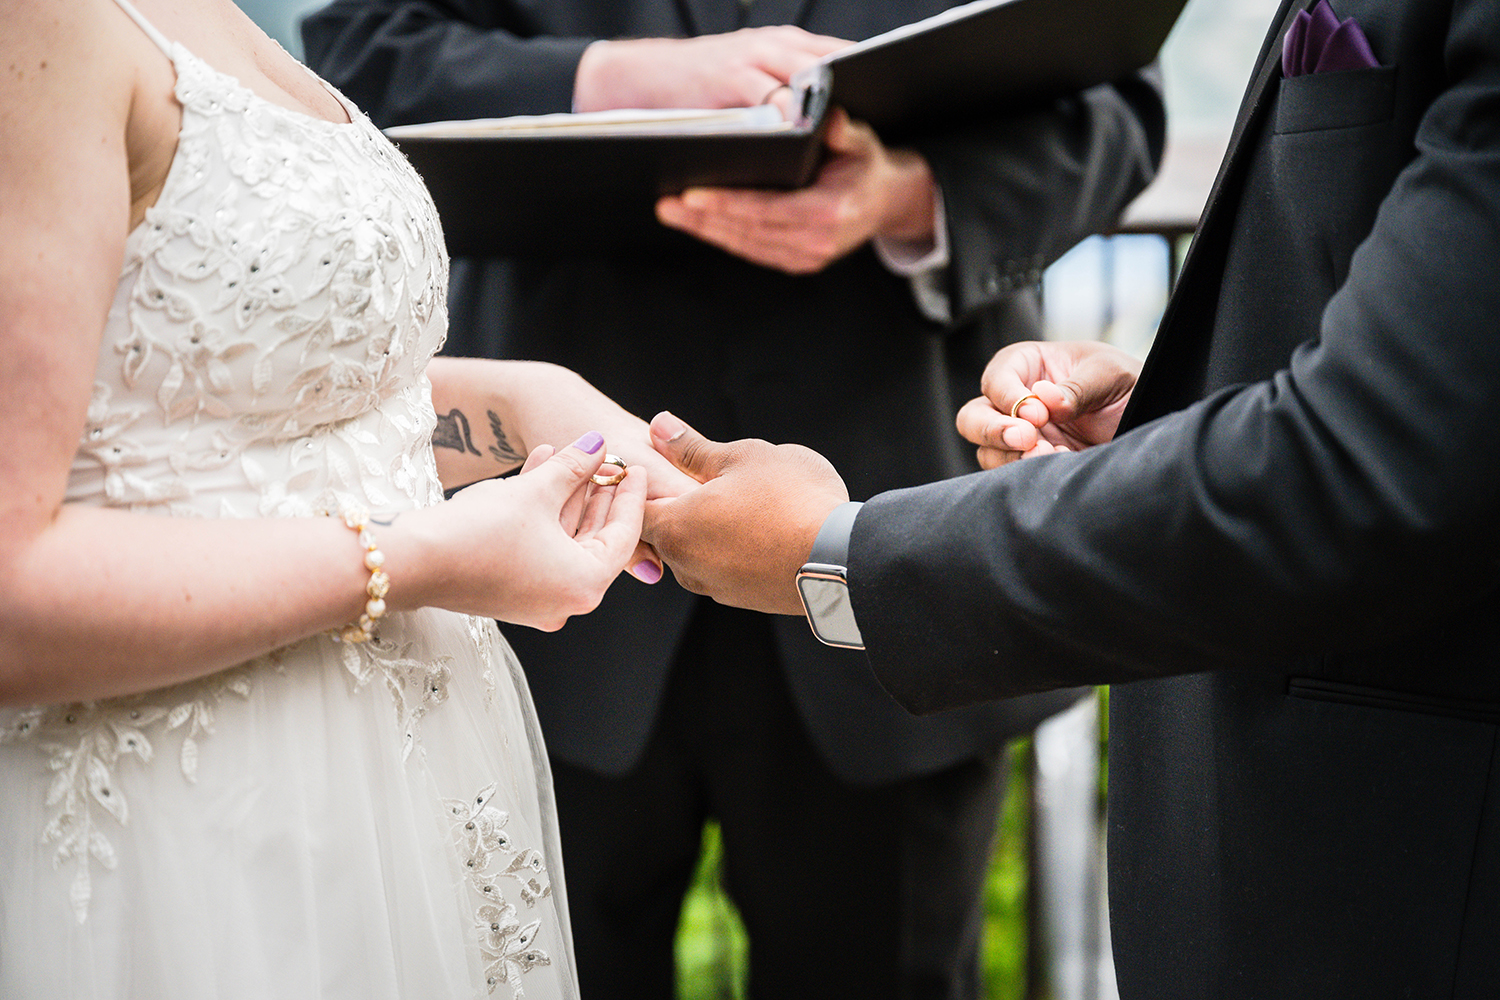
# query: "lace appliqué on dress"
416,685
85,743
482,633
491,859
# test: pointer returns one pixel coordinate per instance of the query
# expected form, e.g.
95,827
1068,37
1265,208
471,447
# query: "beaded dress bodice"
276,310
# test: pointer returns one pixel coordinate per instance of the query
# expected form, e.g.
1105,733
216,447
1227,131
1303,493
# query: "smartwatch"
823,582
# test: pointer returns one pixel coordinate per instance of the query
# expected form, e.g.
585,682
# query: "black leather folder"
557,189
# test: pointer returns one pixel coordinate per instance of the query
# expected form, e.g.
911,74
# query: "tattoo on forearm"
452,431
502,449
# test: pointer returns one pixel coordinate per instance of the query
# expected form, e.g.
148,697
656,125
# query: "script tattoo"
452,431
502,449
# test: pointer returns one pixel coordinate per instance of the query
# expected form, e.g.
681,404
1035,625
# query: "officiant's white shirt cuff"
924,265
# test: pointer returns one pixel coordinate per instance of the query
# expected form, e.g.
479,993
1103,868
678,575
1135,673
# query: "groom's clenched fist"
741,537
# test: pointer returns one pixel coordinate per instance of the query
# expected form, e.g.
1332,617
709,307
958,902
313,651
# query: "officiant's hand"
864,190
741,537
738,69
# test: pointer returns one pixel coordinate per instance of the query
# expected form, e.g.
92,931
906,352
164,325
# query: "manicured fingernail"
646,571
667,427
590,442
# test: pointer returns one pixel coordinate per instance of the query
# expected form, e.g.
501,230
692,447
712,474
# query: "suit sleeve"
406,61
1019,191
1345,505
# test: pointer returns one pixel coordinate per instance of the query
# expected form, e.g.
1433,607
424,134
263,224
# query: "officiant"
855,316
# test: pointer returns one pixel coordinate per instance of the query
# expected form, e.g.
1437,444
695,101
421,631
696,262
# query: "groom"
1287,560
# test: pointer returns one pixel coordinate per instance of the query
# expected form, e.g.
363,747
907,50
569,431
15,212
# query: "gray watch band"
831,547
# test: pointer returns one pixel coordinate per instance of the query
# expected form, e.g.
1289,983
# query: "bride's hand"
645,565
532,549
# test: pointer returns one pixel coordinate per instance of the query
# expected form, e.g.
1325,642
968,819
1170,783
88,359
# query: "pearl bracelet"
358,519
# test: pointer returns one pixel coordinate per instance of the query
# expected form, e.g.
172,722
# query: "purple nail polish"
590,442
647,571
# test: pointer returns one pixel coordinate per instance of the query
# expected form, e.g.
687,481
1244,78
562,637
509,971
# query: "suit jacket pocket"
1336,147
1346,99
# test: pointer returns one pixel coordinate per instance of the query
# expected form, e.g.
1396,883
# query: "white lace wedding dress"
331,820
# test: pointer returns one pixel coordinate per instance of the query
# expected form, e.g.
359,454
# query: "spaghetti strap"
147,27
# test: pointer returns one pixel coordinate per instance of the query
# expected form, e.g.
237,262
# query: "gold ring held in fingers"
772,92
1015,409
613,480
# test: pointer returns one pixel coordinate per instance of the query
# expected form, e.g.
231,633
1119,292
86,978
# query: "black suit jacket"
1292,553
841,360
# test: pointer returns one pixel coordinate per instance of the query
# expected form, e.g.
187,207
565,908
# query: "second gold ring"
1015,409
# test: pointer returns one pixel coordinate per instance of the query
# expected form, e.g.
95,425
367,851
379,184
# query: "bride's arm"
491,414
98,602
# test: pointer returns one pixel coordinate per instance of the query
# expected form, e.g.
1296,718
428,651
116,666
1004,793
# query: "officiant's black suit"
842,361
1291,556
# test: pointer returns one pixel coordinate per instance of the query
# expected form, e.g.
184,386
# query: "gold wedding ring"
1015,409
618,477
772,92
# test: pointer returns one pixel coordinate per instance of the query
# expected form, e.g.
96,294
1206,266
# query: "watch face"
826,598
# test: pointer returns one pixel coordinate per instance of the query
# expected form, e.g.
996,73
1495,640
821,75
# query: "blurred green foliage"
712,948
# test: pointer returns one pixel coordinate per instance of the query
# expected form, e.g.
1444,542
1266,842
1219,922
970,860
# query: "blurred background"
279,18
1046,934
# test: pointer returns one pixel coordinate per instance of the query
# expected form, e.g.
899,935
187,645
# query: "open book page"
631,121
915,28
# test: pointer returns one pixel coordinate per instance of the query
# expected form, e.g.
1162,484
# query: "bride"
248,750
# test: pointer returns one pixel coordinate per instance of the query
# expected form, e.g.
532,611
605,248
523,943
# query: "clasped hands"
863,190
741,536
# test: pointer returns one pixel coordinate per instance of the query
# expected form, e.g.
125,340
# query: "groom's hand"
1047,396
741,537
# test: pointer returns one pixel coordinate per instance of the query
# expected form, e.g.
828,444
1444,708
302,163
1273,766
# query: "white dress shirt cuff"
924,265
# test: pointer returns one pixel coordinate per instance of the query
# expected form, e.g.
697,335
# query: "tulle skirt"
370,822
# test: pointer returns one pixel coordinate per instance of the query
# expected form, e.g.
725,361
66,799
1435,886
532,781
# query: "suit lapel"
1254,104
1191,307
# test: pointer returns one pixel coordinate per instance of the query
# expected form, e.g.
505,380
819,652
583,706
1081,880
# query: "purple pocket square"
1318,42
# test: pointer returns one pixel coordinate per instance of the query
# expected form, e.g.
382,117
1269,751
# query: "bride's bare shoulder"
70,75
87,99
63,64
